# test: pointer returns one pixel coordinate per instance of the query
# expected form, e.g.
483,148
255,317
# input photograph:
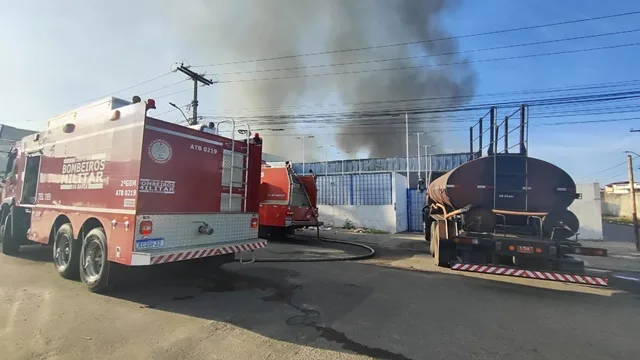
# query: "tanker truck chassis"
508,254
506,213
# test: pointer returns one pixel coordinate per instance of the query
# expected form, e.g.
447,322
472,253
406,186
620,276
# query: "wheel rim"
62,251
93,259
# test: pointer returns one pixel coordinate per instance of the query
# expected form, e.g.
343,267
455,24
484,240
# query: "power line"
434,65
589,98
605,170
438,131
494,32
502,47
599,86
130,87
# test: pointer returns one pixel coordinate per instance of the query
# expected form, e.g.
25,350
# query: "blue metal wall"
355,189
415,202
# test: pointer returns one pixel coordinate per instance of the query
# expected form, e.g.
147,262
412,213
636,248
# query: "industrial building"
376,193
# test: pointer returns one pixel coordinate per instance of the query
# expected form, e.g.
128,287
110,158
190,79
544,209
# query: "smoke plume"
236,30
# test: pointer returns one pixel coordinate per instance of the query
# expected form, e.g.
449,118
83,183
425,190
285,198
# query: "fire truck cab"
107,183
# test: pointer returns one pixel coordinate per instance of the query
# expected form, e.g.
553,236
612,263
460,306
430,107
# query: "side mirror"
421,185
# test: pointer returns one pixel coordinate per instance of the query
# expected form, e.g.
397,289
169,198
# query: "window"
31,174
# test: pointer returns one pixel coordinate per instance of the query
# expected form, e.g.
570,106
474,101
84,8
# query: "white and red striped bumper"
533,274
141,259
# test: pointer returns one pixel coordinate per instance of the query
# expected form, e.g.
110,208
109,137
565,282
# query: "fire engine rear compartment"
191,200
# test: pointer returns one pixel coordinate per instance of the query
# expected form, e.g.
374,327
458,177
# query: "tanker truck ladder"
532,274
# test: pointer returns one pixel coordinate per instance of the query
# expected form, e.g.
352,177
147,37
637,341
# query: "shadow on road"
37,253
312,304
361,308
277,302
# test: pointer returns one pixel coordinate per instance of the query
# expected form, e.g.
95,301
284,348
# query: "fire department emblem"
160,151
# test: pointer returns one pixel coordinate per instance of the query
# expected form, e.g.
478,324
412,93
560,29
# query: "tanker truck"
506,213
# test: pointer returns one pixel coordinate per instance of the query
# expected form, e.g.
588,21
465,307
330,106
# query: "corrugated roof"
439,163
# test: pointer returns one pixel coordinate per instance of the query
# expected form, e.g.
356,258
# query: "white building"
620,187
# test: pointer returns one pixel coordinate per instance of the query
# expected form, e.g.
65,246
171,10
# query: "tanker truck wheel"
94,265
433,236
438,247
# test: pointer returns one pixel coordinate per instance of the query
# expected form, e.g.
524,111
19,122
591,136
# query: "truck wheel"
66,253
441,254
94,265
434,235
10,245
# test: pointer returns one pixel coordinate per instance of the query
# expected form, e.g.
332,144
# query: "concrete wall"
618,205
588,211
381,217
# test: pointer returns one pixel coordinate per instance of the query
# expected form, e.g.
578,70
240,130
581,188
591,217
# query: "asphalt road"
337,310
617,233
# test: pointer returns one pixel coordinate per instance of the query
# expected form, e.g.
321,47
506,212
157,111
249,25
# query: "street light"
177,107
427,164
302,138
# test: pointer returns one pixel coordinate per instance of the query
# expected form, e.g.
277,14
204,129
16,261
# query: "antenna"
197,78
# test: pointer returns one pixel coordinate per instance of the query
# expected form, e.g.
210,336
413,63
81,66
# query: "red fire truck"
287,200
107,183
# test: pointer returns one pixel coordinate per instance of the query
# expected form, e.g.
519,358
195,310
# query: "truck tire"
433,235
440,251
10,245
94,265
66,253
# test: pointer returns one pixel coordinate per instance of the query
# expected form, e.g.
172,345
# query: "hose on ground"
371,253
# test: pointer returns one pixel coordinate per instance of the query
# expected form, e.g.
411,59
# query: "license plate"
146,244
525,249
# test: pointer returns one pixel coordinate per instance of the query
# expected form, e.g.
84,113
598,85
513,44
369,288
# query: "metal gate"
415,202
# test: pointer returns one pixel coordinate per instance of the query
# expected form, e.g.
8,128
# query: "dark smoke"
230,30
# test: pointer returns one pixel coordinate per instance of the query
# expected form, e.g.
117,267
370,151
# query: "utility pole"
197,78
634,214
406,124
418,135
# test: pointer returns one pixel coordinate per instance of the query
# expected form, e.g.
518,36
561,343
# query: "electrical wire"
351,72
353,115
607,169
502,47
599,86
131,87
493,32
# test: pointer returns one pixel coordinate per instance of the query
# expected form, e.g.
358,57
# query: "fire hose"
370,253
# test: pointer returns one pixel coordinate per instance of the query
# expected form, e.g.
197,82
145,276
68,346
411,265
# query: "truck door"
30,181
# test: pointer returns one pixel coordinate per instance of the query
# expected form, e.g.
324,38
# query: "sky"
57,55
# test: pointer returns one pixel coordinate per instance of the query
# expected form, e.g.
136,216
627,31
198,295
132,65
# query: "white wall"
619,205
400,201
391,218
381,217
588,210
